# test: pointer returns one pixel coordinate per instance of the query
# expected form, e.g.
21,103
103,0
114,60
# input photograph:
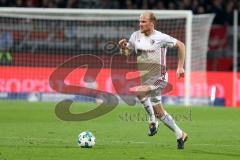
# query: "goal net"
35,42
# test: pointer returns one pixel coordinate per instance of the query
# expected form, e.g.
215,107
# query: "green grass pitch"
31,131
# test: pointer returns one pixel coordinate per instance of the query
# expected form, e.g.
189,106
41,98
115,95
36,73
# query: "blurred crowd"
222,8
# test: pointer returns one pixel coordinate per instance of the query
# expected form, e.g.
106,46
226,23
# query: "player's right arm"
127,47
124,50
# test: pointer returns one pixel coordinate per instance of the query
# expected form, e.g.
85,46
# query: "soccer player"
151,46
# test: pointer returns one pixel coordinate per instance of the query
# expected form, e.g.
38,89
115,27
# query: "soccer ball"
86,139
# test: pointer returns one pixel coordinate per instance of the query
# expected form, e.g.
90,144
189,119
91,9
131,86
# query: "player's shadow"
215,153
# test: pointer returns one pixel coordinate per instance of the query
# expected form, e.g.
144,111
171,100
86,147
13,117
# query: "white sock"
149,109
170,123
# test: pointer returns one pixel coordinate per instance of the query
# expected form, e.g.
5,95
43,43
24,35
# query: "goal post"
188,43
40,39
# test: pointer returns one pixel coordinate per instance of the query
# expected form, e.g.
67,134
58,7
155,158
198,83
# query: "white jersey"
152,48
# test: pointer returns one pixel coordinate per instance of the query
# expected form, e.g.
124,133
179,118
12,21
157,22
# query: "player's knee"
140,95
142,92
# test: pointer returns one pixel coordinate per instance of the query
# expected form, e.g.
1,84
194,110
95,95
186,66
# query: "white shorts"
157,84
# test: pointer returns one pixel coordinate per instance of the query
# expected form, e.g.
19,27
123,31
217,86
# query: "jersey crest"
152,41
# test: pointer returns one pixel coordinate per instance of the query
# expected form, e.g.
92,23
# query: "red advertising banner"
34,79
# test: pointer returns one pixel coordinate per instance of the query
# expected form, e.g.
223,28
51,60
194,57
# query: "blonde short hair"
151,16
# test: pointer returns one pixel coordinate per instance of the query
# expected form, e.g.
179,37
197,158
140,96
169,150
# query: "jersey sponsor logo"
141,51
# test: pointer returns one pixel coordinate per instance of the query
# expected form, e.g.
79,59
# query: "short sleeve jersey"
152,48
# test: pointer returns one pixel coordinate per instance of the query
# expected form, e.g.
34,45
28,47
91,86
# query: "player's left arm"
181,58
